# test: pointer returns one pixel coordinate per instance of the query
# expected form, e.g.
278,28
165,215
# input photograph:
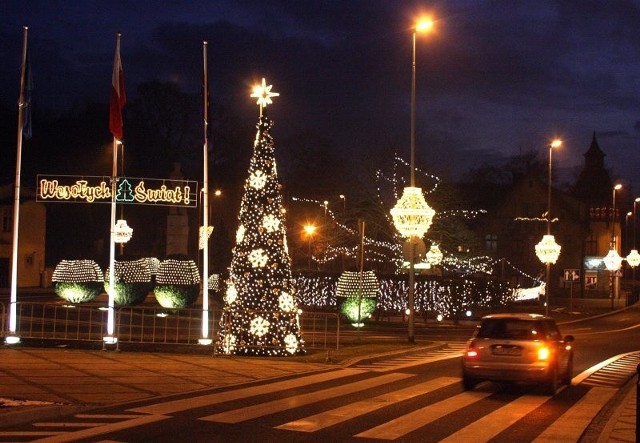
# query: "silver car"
524,348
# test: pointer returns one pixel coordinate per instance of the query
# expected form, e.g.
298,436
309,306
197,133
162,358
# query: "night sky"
495,79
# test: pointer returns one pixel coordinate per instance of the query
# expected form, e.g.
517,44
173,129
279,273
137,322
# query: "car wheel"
551,386
468,383
568,375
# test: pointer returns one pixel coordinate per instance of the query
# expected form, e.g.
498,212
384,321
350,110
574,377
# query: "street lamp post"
613,261
309,230
412,216
548,250
634,257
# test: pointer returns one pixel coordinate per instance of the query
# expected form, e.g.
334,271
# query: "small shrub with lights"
356,295
177,283
77,281
132,281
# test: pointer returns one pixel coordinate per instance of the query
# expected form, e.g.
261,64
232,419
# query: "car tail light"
543,353
471,351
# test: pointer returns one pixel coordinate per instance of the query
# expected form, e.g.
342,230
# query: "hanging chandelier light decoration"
122,232
434,255
612,261
548,250
633,258
412,216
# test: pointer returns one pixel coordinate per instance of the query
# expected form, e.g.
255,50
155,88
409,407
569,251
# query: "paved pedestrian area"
80,378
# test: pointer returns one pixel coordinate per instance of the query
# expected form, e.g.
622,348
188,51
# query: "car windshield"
511,329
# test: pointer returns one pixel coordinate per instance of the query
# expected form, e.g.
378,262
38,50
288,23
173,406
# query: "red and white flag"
118,97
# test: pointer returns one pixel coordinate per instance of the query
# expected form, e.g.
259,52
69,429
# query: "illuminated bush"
132,281
177,283
352,284
77,281
349,308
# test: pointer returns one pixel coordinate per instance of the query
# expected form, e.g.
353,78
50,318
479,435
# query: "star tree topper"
263,94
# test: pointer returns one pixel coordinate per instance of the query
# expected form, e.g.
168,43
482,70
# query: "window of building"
591,246
491,242
6,220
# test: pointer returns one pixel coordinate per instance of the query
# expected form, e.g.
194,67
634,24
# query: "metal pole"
547,287
361,282
12,337
612,279
205,340
638,404
413,112
412,285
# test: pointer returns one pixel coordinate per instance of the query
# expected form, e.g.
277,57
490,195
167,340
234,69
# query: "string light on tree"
260,314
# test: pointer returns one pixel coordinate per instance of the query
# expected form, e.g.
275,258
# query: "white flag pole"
13,337
205,339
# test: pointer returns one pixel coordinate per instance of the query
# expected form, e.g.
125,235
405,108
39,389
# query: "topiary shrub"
177,283
347,296
132,281
77,281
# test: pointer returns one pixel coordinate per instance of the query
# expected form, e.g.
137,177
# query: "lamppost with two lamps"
613,261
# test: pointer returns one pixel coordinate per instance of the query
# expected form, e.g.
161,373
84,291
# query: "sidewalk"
68,380
621,426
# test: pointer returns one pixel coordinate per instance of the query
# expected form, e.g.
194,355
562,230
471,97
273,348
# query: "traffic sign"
572,274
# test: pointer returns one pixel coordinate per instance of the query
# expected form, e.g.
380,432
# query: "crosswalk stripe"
173,406
398,363
573,422
401,426
347,412
262,409
492,424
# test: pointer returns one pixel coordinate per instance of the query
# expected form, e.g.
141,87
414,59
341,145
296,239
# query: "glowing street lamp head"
556,143
617,187
424,25
309,229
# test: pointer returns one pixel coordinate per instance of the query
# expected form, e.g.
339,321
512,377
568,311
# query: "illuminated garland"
260,314
448,298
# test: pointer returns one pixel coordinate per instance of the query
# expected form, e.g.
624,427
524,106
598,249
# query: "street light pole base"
11,340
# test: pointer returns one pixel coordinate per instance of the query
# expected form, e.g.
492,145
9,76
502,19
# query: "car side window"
551,331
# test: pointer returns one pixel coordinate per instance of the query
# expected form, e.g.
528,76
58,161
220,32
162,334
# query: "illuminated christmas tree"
260,315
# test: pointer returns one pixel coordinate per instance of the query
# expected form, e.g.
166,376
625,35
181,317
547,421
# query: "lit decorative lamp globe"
633,258
612,261
412,216
434,256
548,250
122,232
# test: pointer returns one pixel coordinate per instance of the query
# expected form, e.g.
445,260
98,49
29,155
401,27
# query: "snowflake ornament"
285,301
291,343
231,295
259,326
228,343
258,258
240,234
257,180
271,223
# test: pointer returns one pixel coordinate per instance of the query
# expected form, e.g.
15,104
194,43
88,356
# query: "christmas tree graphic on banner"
260,315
